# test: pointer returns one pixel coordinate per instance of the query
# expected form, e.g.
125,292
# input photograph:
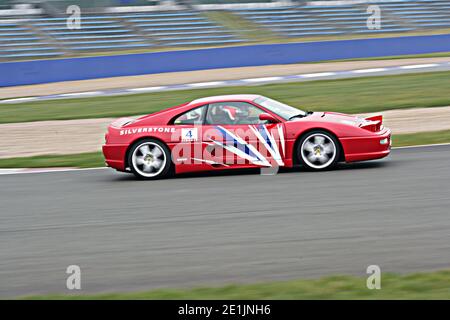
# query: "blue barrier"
44,71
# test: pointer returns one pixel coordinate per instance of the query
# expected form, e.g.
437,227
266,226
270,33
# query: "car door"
187,145
233,136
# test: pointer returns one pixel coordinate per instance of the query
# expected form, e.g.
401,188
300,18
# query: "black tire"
135,152
319,151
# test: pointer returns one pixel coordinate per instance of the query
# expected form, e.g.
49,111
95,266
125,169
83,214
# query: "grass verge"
416,139
95,159
80,160
357,95
430,285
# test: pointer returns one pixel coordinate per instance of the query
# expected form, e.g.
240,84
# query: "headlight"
384,141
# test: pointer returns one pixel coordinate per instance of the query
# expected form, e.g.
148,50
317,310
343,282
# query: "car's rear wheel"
318,150
149,159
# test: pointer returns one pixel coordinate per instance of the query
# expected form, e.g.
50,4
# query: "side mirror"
268,117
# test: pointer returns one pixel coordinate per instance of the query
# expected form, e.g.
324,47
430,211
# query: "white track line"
25,99
146,89
419,66
369,70
29,171
206,84
265,79
82,94
224,83
314,75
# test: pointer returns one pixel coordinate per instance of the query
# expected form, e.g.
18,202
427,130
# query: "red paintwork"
358,143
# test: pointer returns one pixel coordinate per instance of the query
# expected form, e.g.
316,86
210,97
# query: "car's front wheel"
318,150
149,159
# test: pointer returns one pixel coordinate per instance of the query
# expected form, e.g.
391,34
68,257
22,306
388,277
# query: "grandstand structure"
39,36
327,20
36,34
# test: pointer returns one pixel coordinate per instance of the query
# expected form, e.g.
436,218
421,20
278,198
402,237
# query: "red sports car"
240,131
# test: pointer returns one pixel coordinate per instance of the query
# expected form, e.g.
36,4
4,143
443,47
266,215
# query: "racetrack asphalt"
193,230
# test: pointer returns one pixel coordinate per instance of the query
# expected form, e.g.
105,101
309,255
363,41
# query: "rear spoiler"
119,123
373,123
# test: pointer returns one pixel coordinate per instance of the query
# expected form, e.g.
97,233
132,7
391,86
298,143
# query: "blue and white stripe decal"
237,142
247,151
242,154
267,139
241,148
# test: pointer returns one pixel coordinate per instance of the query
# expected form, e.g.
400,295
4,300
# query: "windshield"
283,110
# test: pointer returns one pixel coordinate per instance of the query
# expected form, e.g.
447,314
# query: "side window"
194,116
233,113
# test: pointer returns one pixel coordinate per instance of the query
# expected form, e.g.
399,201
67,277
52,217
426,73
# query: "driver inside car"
222,115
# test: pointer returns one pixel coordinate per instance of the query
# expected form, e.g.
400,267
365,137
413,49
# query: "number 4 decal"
189,134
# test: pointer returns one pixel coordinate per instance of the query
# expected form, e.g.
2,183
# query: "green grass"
431,285
411,139
355,95
80,160
95,159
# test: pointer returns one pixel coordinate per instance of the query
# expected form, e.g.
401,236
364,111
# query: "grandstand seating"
181,29
18,40
40,36
307,20
96,33
43,36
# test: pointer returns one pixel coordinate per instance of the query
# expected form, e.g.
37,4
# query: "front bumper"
375,146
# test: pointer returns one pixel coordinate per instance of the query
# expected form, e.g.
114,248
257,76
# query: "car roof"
229,97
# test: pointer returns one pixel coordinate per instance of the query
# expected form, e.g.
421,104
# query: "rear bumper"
375,146
115,155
